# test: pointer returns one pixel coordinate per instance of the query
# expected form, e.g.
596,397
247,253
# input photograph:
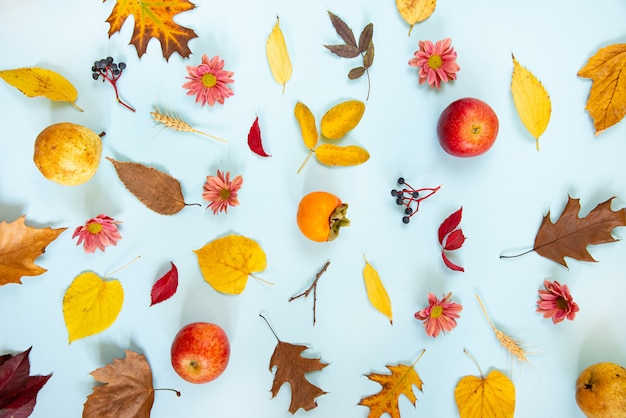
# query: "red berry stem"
112,79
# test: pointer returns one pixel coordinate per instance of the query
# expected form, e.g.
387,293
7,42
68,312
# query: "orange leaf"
154,20
20,245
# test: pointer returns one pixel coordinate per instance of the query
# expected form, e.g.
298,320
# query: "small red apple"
467,127
200,352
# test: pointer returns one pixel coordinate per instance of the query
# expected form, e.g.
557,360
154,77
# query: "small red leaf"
449,224
14,373
254,139
454,240
450,264
165,287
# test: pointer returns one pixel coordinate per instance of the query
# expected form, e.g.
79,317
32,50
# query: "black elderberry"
401,180
406,219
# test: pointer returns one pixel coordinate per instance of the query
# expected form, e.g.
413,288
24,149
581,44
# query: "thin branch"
312,288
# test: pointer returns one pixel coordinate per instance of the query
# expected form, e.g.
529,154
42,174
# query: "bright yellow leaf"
306,120
91,304
227,262
376,291
278,56
35,82
337,155
415,11
490,397
531,101
342,118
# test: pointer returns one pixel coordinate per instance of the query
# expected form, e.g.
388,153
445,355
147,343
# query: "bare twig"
312,288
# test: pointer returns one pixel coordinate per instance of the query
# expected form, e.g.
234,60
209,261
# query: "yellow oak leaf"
154,20
278,56
531,101
607,98
376,291
337,155
35,82
227,262
415,11
490,397
342,118
91,305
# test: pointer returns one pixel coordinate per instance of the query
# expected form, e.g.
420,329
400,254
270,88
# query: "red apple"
200,352
467,127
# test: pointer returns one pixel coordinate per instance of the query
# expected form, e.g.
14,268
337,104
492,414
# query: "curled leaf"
306,120
376,292
255,141
415,11
278,56
35,82
336,155
342,118
165,287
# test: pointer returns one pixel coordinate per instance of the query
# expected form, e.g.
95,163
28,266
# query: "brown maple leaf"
154,20
20,245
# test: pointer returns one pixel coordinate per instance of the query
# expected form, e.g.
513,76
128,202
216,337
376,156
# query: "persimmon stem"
312,288
124,266
517,255
177,392
311,151
270,327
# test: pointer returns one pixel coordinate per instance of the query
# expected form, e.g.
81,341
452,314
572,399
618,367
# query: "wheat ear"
513,346
176,123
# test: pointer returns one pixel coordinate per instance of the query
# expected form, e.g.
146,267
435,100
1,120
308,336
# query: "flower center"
224,194
209,80
94,227
435,61
436,312
561,303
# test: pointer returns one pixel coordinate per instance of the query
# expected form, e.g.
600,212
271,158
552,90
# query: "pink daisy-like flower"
439,315
208,81
436,62
556,302
98,232
221,192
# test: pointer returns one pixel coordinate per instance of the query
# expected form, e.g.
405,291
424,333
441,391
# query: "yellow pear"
601,391
68,153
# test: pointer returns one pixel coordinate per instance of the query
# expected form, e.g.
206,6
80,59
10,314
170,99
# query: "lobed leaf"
400,382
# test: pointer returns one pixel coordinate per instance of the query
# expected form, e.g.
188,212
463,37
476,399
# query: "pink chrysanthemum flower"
436,62
556,302
98,232
439,315
221,192
208,81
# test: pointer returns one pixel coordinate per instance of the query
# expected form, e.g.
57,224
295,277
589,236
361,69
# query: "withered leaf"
343,30
365,39
368,58
356,73
344,51
157,190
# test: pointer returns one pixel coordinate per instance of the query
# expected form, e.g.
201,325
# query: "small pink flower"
436,62
208,81
439,315
98,232
556,302
221,192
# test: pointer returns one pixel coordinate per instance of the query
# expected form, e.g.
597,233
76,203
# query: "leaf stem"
270,327
311,151
262,280
418,357
124,266
517,255
468,354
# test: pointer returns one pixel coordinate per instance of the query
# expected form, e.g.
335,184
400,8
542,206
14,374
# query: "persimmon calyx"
337,220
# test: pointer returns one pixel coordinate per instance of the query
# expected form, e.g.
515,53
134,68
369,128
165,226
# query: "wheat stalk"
512,345
176,123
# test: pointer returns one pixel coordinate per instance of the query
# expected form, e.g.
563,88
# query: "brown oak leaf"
154,20
20,245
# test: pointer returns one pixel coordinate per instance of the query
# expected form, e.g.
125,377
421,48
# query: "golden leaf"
91,305
376,291
35,82
531,101
342,118
415,11
336,155
227,262
607,98
306,120
490,397
277,56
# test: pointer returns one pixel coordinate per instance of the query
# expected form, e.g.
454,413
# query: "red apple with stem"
467,127
200,352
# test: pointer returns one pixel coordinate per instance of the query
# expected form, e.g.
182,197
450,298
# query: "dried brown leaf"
356,73
366,37
343,30
344,51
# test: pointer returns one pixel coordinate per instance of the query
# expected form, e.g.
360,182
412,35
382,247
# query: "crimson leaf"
165,287
451,238
254,139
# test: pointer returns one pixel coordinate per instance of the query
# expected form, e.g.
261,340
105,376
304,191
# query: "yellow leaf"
342,118
490,397
336,155
91,304
531,101
607,98
35,82
306,120
277,56
415,11
376,291
227,262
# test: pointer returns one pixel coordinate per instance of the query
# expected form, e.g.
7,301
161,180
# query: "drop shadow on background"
600,346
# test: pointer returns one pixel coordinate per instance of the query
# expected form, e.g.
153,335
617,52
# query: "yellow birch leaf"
227,262
277,56
415,11
531,101
35,82
490,397
337,155
376,291
342,118
607,98
306,120
91,304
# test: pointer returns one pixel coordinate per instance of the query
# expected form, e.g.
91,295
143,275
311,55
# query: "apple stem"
173,390
270,327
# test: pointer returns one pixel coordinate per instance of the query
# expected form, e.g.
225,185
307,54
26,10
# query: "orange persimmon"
321,215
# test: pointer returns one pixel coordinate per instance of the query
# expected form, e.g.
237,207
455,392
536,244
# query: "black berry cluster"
409,197
111,72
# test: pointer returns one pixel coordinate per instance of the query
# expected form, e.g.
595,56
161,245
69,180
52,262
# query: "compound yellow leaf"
227,262
376,292
415,11
531,101
490,397
337,155
91,305
306,120
342,118
35,82
278,56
